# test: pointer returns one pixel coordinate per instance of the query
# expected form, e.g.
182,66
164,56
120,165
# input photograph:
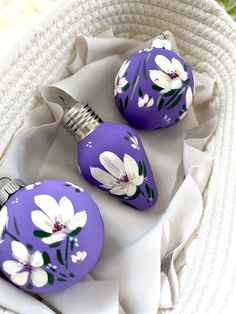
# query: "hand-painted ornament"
154,88
51,234
112,157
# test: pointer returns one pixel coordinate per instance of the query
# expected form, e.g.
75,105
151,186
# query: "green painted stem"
66,253
11,236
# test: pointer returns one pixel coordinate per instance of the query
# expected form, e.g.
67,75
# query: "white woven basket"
203,32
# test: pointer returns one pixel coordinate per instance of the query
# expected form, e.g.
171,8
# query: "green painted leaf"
75,232
148,190
157,88
29,286
61,279
72,275
56,244
175,103
67,247
72,244
136,74
126,138
140,168
41,234
46,258
140,93
77,190
29,246
152,194
176,93
63,275
185,67
170,93
184,108
16,227
187,81
144,170
161,103
59,257
126,101
50,278
121,106
126,87
66,184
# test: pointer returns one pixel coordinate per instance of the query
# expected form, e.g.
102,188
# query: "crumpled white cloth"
140,268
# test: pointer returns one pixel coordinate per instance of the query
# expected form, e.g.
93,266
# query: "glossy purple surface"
112,158
154,88
57,219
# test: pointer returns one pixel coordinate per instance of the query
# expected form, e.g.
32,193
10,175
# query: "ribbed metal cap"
9,187
80,121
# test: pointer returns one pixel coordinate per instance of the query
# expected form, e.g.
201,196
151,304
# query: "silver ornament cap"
9,187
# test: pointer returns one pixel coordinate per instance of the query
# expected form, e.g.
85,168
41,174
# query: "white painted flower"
75,186
145,102
78,257
3,222
32,186
167,119
135,143
25,266
189,100
56,219
120,177
120,80
171,75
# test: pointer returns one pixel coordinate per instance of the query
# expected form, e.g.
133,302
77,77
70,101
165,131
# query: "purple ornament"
111,157
154,88
51,236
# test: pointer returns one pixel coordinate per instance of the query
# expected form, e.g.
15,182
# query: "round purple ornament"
154,88
51,234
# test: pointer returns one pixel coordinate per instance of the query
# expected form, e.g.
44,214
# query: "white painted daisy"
78,257
120,177
25,266
57,220
120,80
171,75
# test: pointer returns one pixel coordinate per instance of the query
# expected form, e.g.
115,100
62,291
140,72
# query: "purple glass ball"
154,88
51,236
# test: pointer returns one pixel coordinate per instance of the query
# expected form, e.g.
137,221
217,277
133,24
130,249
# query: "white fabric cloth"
144,251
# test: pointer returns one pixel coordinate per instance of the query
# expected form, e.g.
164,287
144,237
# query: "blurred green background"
230,7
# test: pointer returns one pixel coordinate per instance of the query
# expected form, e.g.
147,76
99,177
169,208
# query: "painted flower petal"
3,217
134,146
119,189
79,220
150,103
42,221
81,255
131,190
39,277
48,204
164,63
160,78
103,177
138,180
55,237
12,267
131,167
189,97
73,258
20,279
176,83
178,66
123,82
124,68
140,102
145,98
29,187
19,251
36,259
67,210
112,163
